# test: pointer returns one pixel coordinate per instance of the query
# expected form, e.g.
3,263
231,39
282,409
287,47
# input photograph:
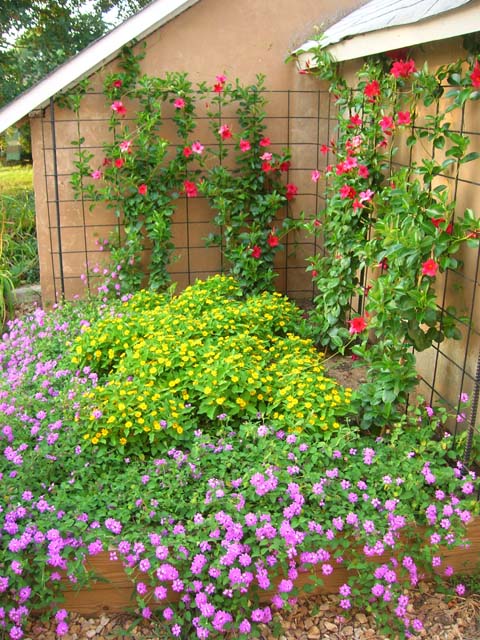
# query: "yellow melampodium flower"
123,441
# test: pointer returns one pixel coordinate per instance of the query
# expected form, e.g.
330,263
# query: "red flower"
372,89
347,191
190,189
244,145
357,325
218,87
117,83
118,107
179,103
324,149
225,132
273,240
403,68
383,264
264,142
106,162
475,75
285,166
363,171
119,162
429,268
256,251
292,191
438,221
142,189
266,166
187,152
355,120
403,117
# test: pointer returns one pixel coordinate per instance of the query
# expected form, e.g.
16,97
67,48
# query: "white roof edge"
91,58
465,19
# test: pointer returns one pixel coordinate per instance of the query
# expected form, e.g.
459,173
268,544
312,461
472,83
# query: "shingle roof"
378,15
67,75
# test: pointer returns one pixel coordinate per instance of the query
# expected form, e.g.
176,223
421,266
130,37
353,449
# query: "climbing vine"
390,231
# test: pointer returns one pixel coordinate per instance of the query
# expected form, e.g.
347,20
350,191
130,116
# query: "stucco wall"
239,38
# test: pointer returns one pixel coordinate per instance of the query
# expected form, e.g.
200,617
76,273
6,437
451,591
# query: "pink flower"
386,124
357,325
266,156
125,146
366,196
404,117
429,268
221,79
475,75
244,145
225,132
292,191
264,142
118,107
96,175
315,175
190,189
256,252
142,189
403,68
197,147
179,103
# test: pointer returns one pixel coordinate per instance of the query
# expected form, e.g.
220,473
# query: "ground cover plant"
236,504
17,216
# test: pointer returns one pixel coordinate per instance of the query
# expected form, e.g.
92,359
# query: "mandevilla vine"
143,173
389,230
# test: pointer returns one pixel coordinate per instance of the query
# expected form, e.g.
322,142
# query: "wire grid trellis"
307,119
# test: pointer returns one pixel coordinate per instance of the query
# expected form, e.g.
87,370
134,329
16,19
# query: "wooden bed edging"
114,592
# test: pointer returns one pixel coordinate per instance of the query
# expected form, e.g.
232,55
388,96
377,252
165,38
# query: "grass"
17,212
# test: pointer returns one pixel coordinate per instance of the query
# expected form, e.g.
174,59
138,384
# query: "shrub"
169,366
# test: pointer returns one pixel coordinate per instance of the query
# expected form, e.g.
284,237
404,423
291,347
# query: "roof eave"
91,58
464,20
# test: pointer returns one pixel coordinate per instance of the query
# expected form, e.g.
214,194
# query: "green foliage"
389,231
249,197
143,174
17,210
169,366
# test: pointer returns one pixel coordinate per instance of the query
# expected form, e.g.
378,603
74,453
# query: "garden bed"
114,592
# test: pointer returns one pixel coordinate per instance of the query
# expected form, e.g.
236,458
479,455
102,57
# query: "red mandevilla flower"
438,221
225,132
119,162
372,89
284,166
475,75
244,145
266,166
429,268
264,142
190,189
404,118
117,83
256,252
179,103
357,325
273,240
118,107
292,191
187,152
403,68
142,189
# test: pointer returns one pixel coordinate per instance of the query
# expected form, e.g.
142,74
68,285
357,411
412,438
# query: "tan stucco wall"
237,37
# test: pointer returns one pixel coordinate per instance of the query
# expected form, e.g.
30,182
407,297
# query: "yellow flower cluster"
167,367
